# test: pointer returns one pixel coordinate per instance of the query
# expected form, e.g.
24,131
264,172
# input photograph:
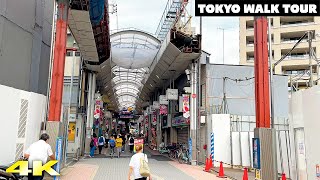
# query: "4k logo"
21,168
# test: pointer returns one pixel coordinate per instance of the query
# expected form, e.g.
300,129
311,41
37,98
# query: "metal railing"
168,18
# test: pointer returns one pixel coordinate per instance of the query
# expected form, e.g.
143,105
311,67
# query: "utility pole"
274,132
199,98
310,57
193,113
222,44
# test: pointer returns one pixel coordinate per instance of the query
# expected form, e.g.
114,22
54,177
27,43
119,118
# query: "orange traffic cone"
283,177
206,168
245,174
210,163
221,171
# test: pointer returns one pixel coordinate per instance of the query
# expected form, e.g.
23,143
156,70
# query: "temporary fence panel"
300,153
242,133
221,130
245,149
251,135
236,149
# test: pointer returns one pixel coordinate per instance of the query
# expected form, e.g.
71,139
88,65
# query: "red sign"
194,95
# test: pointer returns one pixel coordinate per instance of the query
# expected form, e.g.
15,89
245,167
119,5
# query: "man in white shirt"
39,151
135,163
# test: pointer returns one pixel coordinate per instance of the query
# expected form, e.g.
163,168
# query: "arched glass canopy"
132,51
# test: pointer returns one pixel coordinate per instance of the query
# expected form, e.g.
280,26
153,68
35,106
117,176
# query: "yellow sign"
37,167
71,131
258,174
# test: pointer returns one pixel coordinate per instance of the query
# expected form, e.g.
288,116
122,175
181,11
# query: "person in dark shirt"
123,142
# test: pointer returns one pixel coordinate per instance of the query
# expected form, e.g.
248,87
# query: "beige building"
285,33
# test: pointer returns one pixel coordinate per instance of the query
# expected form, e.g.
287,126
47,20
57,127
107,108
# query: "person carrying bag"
139,165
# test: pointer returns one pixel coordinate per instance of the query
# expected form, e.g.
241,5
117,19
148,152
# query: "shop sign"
126,116
156,104
180,121
186,105
172,94
163,99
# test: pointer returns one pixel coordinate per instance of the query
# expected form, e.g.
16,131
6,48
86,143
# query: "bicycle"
183,156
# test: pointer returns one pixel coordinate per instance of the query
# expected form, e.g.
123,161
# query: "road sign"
194,95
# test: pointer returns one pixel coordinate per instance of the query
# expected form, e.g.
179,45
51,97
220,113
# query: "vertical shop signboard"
256,153
185,105
190,149
58,156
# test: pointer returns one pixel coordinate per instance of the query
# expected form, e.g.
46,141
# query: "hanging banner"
185,105
163,110
154,119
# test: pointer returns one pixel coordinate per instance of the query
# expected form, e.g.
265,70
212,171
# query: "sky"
146,14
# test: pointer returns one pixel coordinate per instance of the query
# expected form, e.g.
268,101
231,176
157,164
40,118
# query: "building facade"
286,31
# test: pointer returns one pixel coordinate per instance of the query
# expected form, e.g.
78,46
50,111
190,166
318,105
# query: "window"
77,53
69,53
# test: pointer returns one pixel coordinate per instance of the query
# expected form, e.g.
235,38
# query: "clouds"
146,14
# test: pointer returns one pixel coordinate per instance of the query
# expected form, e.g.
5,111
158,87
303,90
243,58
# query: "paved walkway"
102,167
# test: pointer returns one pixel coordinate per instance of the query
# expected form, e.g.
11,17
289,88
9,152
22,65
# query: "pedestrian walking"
112,144
39,151
102,141
119,145
106,138
139,165
93,144
123,142
131,143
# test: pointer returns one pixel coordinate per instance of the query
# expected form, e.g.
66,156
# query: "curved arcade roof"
132,51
